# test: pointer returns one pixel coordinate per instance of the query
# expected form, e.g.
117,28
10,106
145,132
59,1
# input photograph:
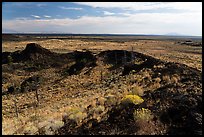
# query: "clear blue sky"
103,17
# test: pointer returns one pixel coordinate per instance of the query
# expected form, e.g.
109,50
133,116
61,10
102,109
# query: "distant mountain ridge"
81,34
174,34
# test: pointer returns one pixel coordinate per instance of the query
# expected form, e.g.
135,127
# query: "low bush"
175,78
76,114
135,99
166,78
142,114
137,90
10,60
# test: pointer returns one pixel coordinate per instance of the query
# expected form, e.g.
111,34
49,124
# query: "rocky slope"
171,92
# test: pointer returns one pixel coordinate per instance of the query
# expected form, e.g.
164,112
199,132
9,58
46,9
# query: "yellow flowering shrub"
135,99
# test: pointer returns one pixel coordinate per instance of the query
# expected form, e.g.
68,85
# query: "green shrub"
110,100
142,114
10,60
76,114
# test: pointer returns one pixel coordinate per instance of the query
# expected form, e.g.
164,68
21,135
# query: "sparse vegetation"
175,78
10,60
100,97
135,99
137,90
143,114
166,78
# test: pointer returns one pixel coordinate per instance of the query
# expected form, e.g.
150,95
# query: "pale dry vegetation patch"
142,114
175,78
166,78
137,90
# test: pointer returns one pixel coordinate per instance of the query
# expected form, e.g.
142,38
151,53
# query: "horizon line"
133,34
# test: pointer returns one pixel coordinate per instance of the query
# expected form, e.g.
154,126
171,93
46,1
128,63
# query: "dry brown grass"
166,78
143,115
70,92
162,49
137,90
175,78
153,86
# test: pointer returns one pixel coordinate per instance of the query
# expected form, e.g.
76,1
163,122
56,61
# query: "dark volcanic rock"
11,89
33,52
31,83
37,57
5,59
125,58
82,59
35,48
115,56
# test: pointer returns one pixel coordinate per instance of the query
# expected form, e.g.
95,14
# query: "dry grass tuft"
166,78
175,78
137,90
142,114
